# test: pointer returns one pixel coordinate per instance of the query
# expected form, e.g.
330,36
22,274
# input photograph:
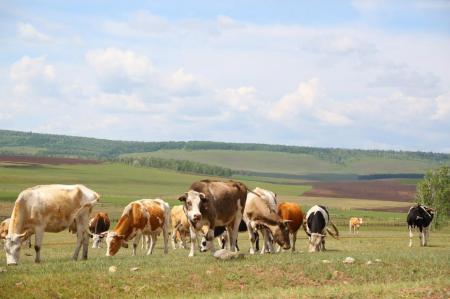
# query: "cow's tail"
336,232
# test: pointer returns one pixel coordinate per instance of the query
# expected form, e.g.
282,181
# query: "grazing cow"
420,216
4,228
98,227
354,224
293,213
214,203
49,208
261,213
145,216
317,220
180,226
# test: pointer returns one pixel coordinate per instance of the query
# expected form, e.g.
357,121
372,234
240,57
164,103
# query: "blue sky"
353,74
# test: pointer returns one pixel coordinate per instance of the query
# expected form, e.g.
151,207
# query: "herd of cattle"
210,209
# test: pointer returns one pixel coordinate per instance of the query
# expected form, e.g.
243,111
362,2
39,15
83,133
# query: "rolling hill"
230,159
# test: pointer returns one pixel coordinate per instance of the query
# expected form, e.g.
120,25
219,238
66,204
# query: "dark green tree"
434,191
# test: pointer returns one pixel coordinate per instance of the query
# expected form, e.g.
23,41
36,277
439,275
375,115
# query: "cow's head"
279,230
97,239
113,243
193,200
316,242
13,243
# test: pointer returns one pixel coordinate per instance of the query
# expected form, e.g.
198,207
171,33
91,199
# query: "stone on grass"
369,263
326,261
112,269
378,260
224,254
348,260
134,269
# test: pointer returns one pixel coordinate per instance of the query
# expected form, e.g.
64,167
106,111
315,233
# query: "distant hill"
235,158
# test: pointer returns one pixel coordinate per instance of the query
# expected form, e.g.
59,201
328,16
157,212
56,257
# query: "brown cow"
49,208
293,213
214,203
260,213
98,227
145,216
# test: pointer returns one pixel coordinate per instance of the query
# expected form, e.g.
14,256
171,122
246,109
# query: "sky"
350,74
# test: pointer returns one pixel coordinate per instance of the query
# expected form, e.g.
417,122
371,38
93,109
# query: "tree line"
177,165
92,148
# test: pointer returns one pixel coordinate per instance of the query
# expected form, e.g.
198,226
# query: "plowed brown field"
44,160
390,190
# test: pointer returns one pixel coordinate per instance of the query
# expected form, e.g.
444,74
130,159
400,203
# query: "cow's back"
292,212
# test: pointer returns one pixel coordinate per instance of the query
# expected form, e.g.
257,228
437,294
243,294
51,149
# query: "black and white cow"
221,233
317,220
419,216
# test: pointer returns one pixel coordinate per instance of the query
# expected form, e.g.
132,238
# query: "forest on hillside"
83,147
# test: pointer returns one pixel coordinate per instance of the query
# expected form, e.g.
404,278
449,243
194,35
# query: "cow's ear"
203,197
183,197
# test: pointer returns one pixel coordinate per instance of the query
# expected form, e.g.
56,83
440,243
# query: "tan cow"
4,228
214,203
260,213
50,208
145,216
180,226
354,224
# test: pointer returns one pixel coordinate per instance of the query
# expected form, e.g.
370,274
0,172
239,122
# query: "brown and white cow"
98,227
180,226
261,213
145,216
293,213
354,224
214,203
49,208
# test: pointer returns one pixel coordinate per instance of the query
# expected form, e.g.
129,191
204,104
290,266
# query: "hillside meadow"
293,163
402,272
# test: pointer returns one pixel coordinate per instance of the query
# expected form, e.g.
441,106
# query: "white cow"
49,208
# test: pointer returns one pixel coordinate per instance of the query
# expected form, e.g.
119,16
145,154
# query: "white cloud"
116,63
241,99
290,105
31,34
119,102
442,107
333,118
32,75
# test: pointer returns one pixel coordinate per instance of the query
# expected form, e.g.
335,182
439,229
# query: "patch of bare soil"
45,160
389,190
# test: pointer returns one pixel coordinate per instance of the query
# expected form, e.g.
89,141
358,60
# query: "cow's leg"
294,239
194,240
235,231
37,244
410,235
78,247
173,237
210,240
268,247
139,235
166,239
424,236
251,236
85,241
152,242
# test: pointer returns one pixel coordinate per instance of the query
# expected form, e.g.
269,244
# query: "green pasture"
402,273
118,184
288,163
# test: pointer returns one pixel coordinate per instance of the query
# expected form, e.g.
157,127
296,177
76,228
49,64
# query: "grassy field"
277,162
402,273
117,183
